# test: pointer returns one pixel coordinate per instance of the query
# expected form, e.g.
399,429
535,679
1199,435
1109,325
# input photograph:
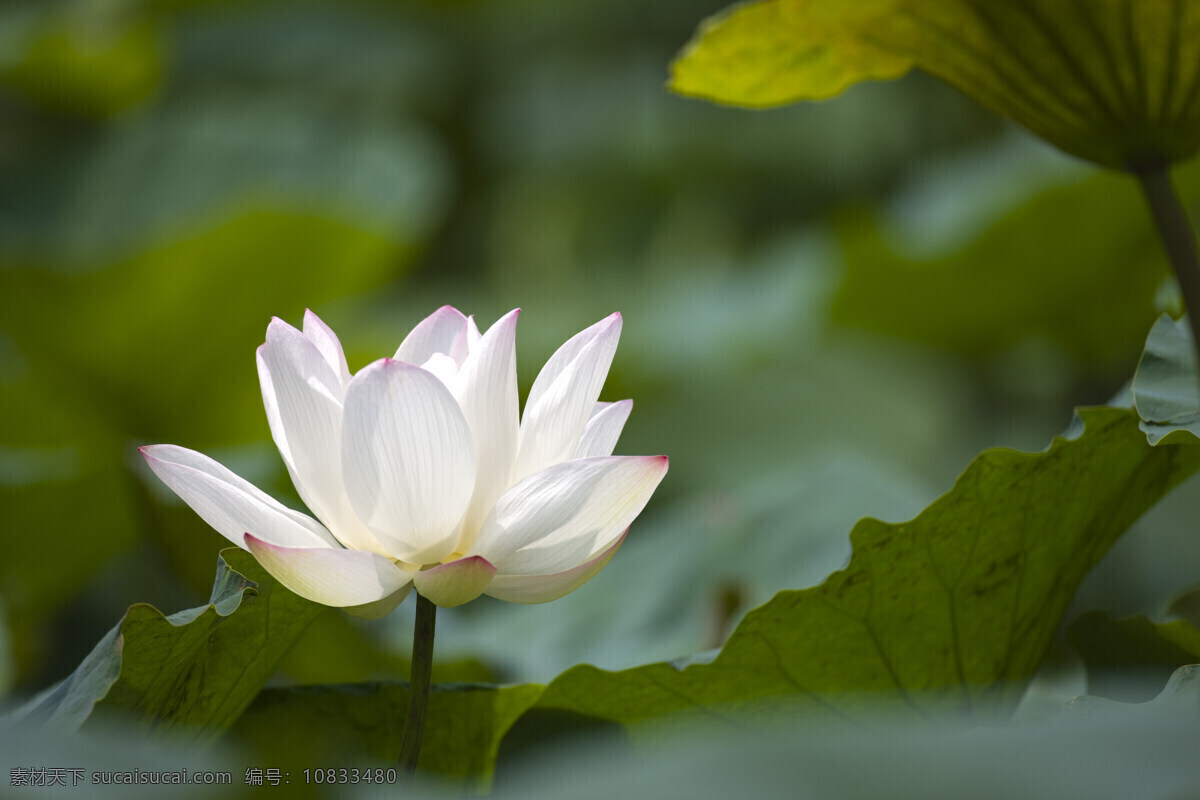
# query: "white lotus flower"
418,472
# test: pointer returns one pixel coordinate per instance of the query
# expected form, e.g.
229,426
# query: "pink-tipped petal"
434,334
454,583
562,516
488,396
328,344
303,397
544,588
563,396
230,504
603,429
331,576
408,460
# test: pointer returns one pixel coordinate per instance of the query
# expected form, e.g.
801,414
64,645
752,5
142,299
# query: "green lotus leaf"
192,673
1116,82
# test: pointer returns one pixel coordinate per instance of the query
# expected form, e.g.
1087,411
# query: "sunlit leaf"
193,672
762,54
1112,81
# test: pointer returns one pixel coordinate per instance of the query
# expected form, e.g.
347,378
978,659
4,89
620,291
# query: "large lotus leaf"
1112,81
192,673
949,613
1095,748
945,615
763,54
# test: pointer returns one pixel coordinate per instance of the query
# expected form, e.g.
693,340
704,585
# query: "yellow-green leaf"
1112,81
770,53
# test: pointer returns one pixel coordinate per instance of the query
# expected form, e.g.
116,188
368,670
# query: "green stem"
418,684
1178,240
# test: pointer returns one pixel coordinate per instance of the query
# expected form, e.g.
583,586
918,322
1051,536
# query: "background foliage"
830,309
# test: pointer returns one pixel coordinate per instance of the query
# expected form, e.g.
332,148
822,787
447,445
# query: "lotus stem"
418,684
1178,239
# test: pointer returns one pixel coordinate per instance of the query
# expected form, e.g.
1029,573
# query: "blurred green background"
829,309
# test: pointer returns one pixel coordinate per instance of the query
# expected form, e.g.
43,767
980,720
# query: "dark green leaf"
949,613
361,724
1096,749
193,672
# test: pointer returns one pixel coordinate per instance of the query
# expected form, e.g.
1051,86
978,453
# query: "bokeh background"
829,308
